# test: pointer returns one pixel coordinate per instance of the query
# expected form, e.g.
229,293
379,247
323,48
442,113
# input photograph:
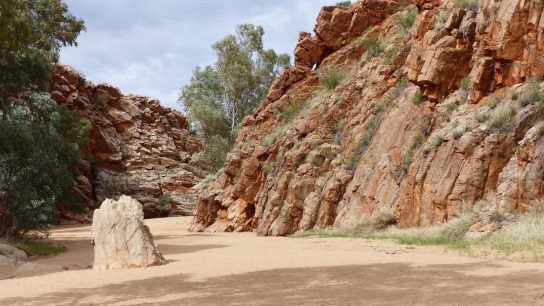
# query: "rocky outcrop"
336,27
136,147
520,183
120,237
422,120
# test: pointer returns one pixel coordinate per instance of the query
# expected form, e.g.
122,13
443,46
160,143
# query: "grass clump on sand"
522,240
381,225
40,248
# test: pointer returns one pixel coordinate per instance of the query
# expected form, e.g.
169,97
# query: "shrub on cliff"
220,96
331,78
500,119
344,4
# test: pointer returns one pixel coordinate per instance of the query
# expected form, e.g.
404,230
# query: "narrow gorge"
136,147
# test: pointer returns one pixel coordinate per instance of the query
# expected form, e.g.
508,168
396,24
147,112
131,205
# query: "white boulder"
120,237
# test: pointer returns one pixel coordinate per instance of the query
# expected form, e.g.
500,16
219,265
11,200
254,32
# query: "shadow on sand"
353,284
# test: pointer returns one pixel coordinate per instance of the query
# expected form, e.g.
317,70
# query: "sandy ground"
243,269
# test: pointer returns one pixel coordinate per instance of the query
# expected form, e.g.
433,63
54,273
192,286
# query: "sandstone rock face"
520,183
120,237
137,147
399,132
336,27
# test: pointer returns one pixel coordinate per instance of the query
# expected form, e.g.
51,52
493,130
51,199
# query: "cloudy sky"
151,47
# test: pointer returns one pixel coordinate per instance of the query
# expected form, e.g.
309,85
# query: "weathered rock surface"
137,147
374,142
12,253
336,27
520,183
120,237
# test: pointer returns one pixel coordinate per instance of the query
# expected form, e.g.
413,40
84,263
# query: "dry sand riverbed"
241,268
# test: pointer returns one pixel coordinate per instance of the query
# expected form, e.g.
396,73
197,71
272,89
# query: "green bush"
374,47
339,131
501,118
101,101
385,104
331,78
481,116
40,147
465,84
391,53
402,167
213,154
533,94
344,4
292,110
440,20
406,22
459,131
436,140
418,97
165,200
540,128
353,161
274,135
370,129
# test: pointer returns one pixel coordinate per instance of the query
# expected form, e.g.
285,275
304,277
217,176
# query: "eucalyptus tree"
219,96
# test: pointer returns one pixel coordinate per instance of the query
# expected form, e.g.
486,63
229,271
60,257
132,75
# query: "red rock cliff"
137,147
427,120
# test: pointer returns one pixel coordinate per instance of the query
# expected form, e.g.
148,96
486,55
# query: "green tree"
40,142
31,35
220,96
39,153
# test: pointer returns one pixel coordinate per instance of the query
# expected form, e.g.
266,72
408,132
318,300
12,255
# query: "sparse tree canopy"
31,35
220,96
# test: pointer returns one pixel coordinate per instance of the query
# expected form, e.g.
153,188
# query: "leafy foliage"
39,152
213,153
31,35
344,4
220,96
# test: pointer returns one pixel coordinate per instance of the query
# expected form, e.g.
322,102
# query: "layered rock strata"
136,147
421,120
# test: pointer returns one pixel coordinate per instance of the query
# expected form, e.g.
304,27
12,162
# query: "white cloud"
151,47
